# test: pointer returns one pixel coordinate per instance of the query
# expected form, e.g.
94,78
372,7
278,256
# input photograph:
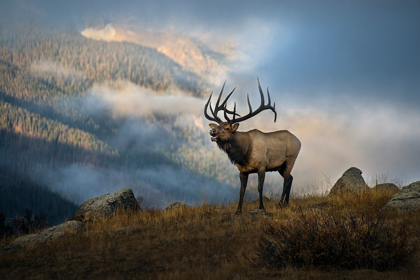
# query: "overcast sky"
345,74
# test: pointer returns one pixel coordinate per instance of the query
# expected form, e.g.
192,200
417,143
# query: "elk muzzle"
213,135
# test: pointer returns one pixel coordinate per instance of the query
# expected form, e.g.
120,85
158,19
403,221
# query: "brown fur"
258,152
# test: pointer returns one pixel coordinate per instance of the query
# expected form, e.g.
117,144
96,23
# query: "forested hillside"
55,142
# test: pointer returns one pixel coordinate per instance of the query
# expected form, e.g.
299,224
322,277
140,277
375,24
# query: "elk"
253,151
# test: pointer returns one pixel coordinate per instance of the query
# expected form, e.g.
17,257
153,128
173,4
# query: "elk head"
224,130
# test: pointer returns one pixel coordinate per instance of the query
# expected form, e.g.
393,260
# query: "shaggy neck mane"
236,148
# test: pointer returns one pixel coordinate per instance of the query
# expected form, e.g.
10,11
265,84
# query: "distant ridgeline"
44,75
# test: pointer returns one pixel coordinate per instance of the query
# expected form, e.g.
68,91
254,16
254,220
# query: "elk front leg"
261,178
244,181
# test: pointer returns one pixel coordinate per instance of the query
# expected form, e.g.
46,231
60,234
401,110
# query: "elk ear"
235,127
213,126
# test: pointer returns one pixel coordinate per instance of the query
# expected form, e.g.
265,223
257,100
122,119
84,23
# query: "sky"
345,75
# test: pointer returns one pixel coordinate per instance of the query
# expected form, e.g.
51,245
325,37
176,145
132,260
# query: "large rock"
175,206
106,205
351,182
46,236
386,187
406,200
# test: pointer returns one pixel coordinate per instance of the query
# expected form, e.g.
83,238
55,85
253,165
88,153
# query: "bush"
327,239
29,223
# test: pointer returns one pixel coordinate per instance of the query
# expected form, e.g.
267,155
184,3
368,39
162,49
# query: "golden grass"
206,242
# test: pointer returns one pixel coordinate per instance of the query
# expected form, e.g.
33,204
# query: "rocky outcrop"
386,187
100,207
175,206
106,205
406,200
351,182
46,236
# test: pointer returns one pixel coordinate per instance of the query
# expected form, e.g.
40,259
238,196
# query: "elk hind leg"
285,171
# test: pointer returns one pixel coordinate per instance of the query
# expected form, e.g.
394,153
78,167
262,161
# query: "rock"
176,205
386,187
106,205
406,200
351,182
46,236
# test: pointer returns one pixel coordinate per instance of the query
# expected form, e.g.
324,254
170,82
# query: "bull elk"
253,151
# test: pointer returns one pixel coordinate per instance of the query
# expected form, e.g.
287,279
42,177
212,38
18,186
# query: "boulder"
386,187
46,236
106,205
175,206
406,200
351,182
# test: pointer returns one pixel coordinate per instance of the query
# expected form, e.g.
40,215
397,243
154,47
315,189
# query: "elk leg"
261,178
288,186
284,171
244,180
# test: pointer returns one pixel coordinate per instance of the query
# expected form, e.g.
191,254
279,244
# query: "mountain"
60,135
188,51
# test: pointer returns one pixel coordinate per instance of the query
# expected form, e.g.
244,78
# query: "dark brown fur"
237,151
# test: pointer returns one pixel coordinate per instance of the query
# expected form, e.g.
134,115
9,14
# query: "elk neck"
237,148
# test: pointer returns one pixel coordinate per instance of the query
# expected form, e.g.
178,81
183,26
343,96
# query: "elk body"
254,151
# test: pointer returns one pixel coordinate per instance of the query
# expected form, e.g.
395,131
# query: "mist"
379,140
158,186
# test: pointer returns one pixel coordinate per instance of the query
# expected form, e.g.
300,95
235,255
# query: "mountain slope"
52,135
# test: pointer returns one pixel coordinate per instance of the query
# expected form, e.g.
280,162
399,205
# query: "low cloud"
106,34
129,99
335,135
159,186
52,68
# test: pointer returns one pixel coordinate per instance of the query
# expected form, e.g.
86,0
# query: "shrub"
29,223
328,239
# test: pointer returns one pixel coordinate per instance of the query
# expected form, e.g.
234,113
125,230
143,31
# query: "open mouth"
214,139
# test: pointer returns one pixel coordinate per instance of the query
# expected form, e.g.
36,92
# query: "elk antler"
218,107
223,107
260,109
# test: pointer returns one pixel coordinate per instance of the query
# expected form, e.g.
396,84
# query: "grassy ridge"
206,242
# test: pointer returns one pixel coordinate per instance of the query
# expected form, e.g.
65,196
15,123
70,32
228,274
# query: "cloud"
106,34
335,134
159,185
52,68
130,99
379,139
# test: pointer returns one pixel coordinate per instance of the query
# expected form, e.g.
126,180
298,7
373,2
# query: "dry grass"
206,242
